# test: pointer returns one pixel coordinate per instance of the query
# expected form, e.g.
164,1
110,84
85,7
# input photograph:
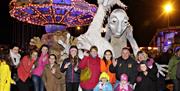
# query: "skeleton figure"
119,31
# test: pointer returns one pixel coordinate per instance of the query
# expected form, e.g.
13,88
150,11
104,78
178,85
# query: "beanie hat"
104,75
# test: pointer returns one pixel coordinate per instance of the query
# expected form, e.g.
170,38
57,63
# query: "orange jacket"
105,68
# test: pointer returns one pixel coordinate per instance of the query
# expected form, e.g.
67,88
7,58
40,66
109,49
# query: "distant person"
178,75
173,68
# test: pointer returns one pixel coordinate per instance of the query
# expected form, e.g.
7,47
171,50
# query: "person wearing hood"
93,63
123,84
104,84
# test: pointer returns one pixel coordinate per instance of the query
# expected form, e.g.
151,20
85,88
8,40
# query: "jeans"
38,83
72,86
87,90
176,87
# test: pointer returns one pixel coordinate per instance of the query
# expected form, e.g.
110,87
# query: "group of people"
125,73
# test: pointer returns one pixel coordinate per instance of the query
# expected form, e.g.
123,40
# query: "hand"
67,65
75,68
53,70
114,62
44,59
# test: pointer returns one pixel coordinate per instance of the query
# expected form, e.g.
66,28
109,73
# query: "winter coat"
172,67
40,65
178,72
5,77
127,88
128,67
51,80
94,65
106,87
25,67
148,82
71,75
105,68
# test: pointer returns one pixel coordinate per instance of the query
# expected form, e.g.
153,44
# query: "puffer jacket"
71,75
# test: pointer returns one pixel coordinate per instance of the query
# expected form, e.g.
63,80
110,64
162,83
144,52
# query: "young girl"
5,74
51,74
124,84
72,72
104,84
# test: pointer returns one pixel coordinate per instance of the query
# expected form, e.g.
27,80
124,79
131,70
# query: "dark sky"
145,16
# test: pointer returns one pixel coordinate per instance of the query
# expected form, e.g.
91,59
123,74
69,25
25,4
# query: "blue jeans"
38,83
176,87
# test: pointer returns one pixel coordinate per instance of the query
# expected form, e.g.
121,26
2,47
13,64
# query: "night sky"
146,16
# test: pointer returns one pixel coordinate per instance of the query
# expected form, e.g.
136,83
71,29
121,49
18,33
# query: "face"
104,80
73,52
123,82
143,67
93,53
118,22
34,55
108,55
52,59
141,57
178,53
15,50
44,50
125,54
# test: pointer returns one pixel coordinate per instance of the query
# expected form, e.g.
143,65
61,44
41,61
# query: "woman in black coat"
147,78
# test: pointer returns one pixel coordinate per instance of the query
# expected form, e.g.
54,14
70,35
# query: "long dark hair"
104,58
44,45
4,57
74,60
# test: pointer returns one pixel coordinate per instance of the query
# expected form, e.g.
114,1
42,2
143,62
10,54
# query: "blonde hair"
143,53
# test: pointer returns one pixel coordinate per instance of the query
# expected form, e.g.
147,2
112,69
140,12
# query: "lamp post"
168,10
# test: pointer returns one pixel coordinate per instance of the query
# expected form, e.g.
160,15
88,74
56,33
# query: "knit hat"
104,75
124,77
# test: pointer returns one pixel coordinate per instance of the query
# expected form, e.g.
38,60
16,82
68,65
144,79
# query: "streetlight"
168,9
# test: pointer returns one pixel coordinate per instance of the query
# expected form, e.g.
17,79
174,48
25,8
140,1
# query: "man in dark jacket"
125,64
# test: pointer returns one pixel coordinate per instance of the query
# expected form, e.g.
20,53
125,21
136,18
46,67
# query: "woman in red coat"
93,62
24,70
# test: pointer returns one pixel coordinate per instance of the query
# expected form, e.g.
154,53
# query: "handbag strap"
88,63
